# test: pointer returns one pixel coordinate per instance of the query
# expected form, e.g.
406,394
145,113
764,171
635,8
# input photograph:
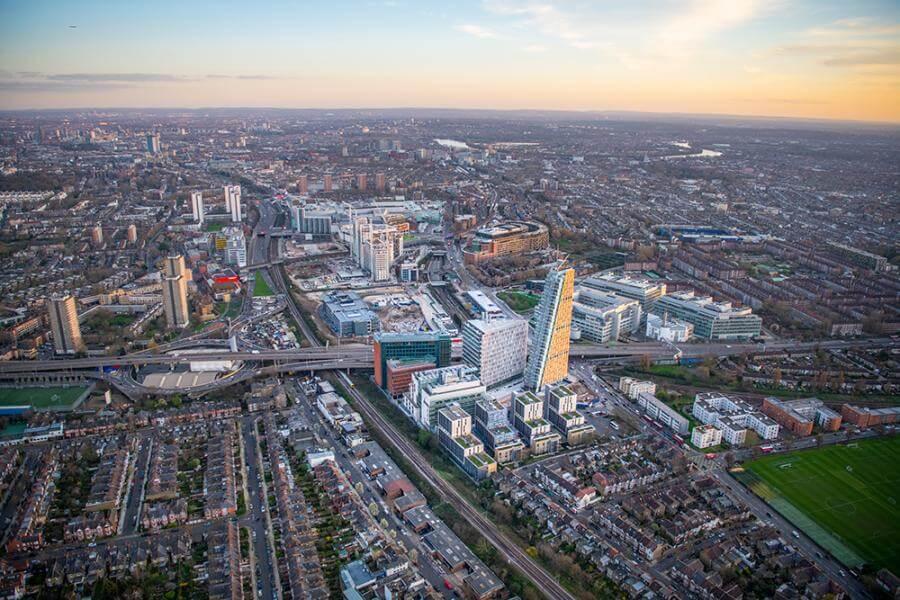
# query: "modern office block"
430,391
423,346
711,320
497,348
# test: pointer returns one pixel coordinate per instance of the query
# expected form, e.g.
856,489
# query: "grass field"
40,397
261,288
845,497
521,302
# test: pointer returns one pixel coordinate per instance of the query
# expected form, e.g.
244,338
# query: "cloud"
118,77
547,19
535,48
857,43
701,19
477,31
874,58
255,77
51,86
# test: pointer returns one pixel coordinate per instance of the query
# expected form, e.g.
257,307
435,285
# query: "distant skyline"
789,58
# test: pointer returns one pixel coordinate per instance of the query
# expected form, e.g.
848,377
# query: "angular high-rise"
548,359
174,292
197,206
233,202
64,324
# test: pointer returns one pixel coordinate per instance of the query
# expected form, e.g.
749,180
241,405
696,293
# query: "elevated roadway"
357,356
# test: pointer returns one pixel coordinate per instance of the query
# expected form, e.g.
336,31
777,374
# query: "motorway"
357,355
360,356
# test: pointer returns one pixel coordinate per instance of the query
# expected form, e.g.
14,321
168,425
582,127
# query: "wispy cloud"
857,43
548,19
478,31
254,77
119,77
701,19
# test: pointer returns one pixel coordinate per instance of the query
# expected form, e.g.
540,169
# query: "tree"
645,362
373,509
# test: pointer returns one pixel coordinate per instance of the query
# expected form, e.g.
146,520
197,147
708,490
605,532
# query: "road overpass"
349,356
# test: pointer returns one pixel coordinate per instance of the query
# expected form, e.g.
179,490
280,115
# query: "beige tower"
548,358
174,288
64,324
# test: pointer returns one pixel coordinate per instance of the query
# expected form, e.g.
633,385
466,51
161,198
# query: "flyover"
350,356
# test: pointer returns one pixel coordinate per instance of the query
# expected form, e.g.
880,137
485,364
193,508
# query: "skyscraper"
174,290
379,182
97,235
327,184
153,145
497,348
197,206
233,202
548,360
64,324
361,182
132,233
302,185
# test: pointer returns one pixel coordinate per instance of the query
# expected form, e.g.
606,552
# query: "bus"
678,439
710,455
766,449
614,425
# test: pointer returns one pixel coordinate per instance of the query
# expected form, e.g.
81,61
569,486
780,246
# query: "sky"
836,59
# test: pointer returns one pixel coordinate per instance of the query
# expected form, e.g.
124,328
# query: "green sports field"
52,397
845,497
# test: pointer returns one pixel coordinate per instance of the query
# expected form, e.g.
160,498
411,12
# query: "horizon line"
570,111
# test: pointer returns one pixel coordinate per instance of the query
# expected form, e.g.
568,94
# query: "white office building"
497,349
645,291
711,320
734,417
430,391
235,247
604,317
668,329
197,207
704,436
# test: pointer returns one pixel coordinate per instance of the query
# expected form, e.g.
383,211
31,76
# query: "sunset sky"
807,58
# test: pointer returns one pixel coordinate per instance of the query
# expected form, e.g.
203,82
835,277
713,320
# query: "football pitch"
53,397
845,497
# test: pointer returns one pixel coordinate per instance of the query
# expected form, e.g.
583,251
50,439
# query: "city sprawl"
383,354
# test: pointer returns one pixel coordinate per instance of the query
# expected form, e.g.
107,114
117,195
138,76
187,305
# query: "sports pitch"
55,397
846,497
